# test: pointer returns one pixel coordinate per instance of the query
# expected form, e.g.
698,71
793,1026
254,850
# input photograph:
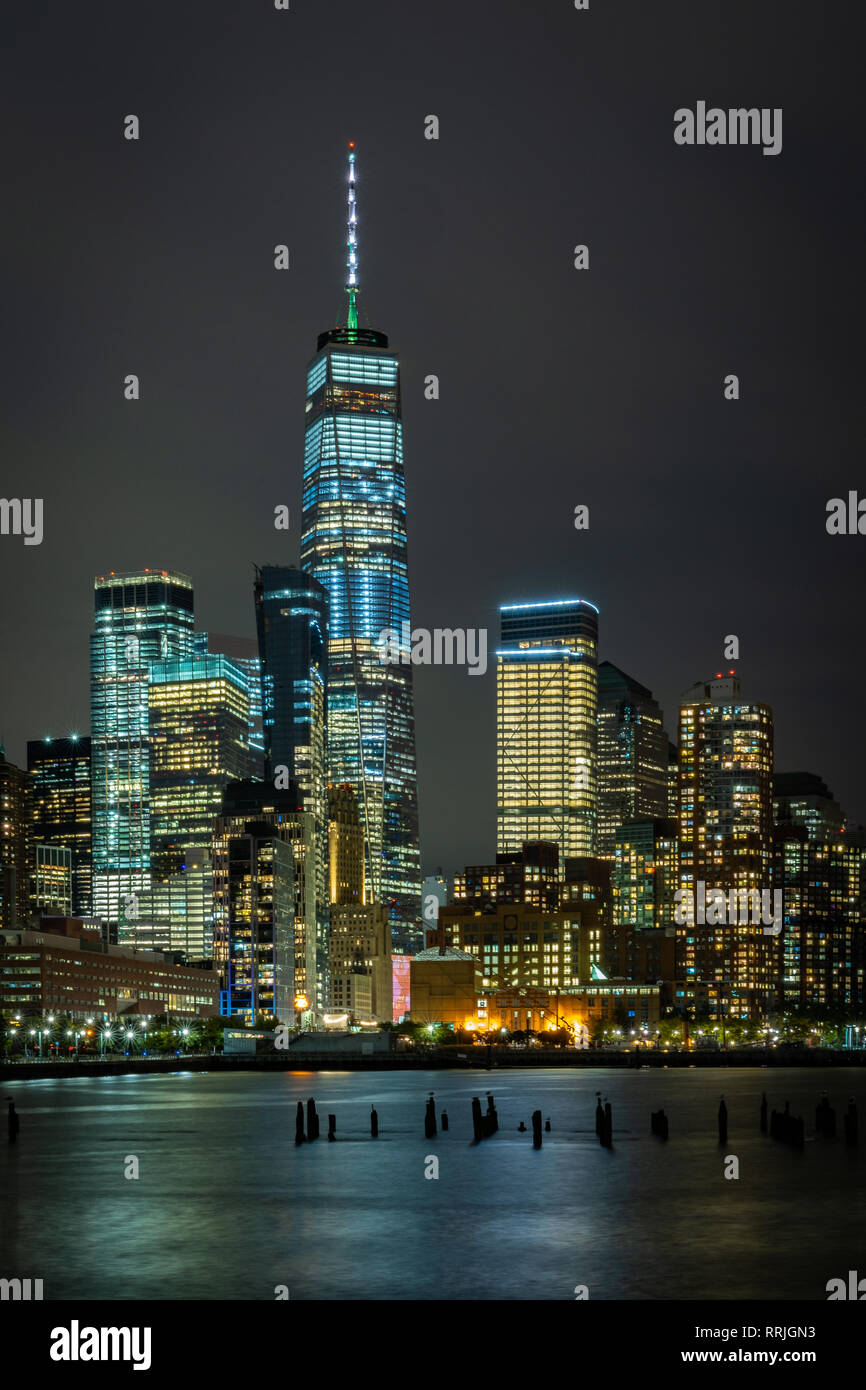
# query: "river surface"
226,1207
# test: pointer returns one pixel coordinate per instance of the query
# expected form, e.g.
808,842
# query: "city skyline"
629,359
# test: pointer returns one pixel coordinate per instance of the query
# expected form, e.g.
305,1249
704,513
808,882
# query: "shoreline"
442,1060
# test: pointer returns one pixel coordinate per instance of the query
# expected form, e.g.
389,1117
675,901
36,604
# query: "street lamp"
301,1002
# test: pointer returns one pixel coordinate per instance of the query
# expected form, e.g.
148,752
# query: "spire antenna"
352,246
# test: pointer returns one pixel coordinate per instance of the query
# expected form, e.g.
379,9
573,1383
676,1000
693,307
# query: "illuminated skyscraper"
725,829
546,706
198,731
260,804
60,773
632,755
292,624
141,617
354,543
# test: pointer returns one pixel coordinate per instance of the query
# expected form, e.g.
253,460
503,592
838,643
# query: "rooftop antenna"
352,248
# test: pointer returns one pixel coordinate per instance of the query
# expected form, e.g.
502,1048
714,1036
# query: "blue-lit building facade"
141,617
354,543
292,626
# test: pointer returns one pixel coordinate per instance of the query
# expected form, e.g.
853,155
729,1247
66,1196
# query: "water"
227,1208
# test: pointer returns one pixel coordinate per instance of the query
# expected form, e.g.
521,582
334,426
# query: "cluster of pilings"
484,1123
312,1123
603,1122
784,1126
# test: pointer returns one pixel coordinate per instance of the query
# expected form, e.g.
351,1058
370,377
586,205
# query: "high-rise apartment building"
546,710
141,617
253,944
824,941
279,808
354,543
60,775
632,755
725,830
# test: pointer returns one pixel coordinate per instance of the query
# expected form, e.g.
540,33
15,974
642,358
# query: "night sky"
558,387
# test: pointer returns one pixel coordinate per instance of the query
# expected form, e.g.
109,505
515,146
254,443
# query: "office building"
67,968
354,543
198,732
632,755
546,710
360,944
141,617
60,775
346,862
51,884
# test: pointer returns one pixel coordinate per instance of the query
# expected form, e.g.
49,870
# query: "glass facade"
198,734
257,956
646,874
546,708
354,544
141,617
60,777
632,755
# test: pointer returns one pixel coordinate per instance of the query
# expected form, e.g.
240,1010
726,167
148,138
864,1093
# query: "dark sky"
558,387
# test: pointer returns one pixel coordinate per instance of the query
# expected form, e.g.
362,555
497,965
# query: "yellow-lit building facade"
546,735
